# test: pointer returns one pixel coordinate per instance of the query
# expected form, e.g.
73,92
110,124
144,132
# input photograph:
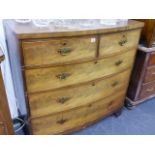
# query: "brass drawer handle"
61,121
119,62
123,41
64,51
63,99
62,76
149,89
115,83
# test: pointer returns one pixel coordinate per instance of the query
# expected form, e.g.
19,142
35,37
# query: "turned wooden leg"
118,112
128,105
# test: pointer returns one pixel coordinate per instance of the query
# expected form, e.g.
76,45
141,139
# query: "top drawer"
118,42
60,50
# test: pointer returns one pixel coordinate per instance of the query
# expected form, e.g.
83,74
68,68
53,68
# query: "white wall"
7,76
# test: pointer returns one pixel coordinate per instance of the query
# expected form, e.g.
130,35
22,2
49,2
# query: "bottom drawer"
147,90
77,118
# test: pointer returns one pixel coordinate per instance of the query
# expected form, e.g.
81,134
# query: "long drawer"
49,78
57,51
118,42
69,120
42,104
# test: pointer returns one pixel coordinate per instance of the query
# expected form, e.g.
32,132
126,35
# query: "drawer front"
152,59
55,51
150,74
118,42
69,120
42,104
147,90
56,77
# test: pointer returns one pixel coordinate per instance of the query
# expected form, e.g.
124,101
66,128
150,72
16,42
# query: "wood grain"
41,52
2,129
152,59
147,90
47,103
111,44
44,79
148,32
6,126
59,123
150,74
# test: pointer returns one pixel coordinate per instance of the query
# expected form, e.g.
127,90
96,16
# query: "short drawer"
118,42
152,59
61,50
42,104
150,74
147,90
77,118
49,78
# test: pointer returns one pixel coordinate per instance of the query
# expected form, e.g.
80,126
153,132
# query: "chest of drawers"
6,127
142,84
71,78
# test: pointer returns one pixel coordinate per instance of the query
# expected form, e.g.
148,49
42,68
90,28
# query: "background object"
142,83
7,76
148,33
6,126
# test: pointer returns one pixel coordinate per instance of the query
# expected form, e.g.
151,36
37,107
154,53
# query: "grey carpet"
138,121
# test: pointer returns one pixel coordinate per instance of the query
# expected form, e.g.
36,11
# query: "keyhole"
64,44
93,83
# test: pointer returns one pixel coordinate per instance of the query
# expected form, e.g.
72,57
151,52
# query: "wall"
7,76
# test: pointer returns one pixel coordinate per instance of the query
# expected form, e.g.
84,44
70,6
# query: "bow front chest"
71,77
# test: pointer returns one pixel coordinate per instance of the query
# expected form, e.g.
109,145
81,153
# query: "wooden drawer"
57,51
118,42
147,90
150,74
55,77
152,59
56,101
74,119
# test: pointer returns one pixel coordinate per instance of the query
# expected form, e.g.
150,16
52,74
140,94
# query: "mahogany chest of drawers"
72,77
142,84
6,126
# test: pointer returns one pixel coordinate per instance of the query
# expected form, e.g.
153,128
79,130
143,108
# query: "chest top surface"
29,30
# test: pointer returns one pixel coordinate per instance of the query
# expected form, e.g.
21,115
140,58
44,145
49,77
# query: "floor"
138,121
